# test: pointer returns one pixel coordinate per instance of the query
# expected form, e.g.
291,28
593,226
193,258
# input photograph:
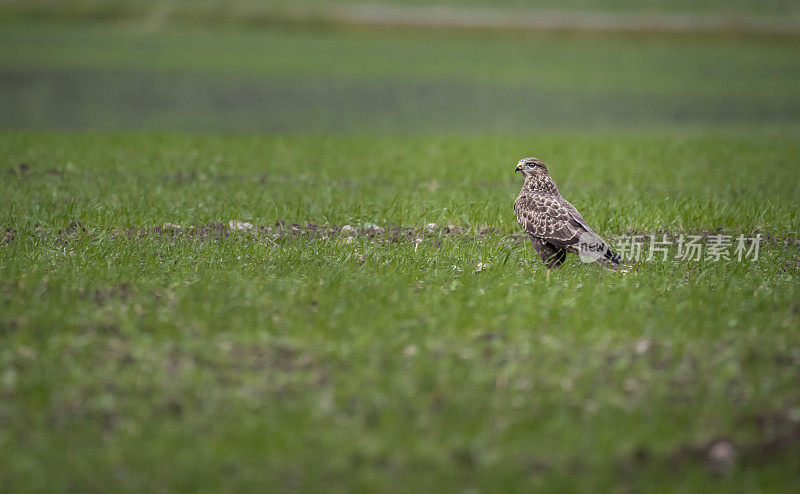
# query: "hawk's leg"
552,256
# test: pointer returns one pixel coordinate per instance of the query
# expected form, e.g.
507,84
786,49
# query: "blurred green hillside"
97,76
245,65
254,10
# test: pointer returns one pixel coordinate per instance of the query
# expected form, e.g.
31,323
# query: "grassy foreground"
154,359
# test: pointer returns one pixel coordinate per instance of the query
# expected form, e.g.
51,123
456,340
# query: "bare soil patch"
283,231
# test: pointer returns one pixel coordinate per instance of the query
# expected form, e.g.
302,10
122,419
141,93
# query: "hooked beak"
518,168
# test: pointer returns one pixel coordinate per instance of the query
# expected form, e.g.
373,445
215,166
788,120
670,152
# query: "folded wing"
550,218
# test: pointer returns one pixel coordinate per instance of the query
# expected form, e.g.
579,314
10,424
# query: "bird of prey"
554,226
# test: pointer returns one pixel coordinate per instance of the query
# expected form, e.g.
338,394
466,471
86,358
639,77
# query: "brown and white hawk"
554,226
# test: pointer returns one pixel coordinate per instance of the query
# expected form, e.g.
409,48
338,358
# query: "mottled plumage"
554,226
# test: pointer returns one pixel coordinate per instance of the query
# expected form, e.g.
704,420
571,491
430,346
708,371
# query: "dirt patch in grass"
189,176
781,433
281,369
778,435
25,170
282,231
9,234
101,296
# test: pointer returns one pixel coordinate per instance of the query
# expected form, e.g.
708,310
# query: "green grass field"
149,343
160,359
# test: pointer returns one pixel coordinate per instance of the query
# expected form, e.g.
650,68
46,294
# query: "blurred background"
386,66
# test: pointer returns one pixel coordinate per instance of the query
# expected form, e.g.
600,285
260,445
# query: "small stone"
722,454
630,385
239,225
642,346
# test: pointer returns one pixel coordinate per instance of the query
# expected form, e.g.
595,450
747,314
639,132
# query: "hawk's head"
530,166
